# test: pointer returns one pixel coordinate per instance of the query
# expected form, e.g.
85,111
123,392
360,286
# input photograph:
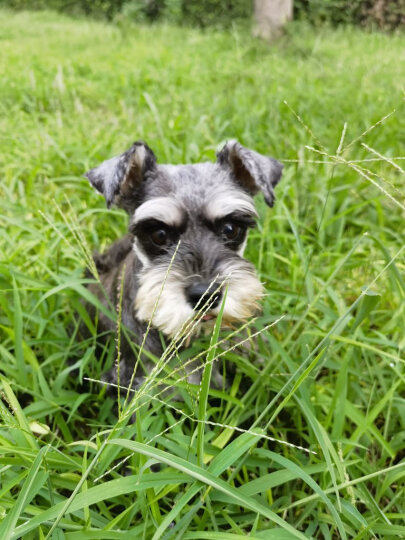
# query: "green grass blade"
207,478
298,472
205,385
102,492
18,336
33,483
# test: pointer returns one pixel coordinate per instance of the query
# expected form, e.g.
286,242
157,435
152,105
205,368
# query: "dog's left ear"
120,177
252,171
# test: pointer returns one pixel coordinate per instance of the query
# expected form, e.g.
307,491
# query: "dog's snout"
199,294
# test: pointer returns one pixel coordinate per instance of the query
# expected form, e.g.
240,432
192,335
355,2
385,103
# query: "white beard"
244,290
165,305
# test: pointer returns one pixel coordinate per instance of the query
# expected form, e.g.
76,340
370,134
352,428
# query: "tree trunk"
270,17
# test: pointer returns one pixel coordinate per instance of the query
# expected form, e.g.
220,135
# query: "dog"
182,258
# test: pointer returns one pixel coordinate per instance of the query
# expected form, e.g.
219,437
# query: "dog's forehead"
194,183
202,188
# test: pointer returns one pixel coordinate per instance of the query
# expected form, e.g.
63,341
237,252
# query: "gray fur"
203,206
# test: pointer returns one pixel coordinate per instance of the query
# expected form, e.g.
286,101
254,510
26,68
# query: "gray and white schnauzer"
187,233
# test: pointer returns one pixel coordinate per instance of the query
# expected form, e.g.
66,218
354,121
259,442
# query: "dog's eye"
231,231
159,237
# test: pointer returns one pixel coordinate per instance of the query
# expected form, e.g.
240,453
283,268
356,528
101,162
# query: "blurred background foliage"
383,14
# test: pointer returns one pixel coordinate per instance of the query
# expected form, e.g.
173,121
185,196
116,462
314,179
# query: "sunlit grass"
307,438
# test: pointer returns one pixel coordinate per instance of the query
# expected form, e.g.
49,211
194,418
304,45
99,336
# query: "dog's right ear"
120,177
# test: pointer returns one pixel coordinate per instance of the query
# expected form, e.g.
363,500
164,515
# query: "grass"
308,440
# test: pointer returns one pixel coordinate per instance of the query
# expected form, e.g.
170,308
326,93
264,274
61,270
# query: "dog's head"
190,225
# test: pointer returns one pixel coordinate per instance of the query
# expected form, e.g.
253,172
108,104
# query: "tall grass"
308,437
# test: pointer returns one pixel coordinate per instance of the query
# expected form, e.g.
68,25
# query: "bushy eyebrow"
239,217
227,203
164,209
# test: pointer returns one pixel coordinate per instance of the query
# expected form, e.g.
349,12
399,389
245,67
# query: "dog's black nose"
199,294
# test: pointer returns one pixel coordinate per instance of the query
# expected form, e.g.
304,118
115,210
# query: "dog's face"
190,224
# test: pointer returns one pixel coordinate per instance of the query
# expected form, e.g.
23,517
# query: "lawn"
308,438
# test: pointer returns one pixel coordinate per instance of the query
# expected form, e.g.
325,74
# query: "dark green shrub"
383,14
331,11
100,9
201,13
213,13
153,10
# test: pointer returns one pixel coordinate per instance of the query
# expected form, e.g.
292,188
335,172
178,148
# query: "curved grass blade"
207,478
299,473
99,493
205,384
222,461
33,483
